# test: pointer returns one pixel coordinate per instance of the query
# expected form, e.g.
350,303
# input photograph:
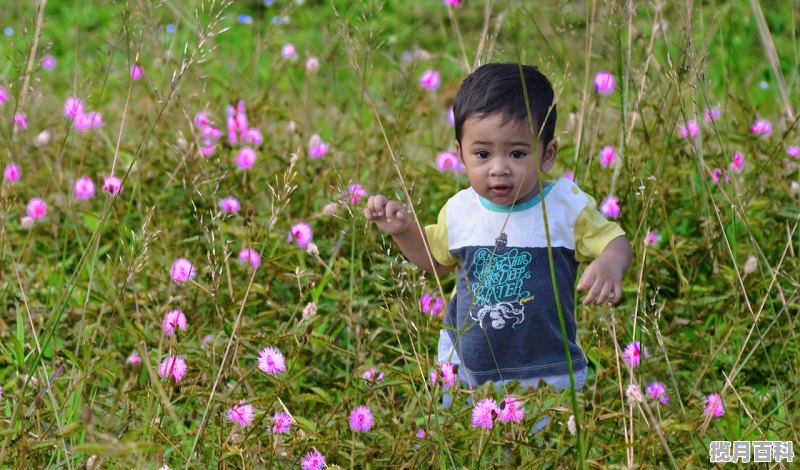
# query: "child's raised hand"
389,216
603,279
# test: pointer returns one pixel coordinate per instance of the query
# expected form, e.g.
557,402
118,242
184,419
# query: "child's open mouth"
500,190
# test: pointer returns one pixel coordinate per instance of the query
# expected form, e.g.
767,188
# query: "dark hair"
497,88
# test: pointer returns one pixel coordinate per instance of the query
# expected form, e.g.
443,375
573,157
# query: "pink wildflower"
356,192
94,119
657,391
691,129
361,419
437,306
112,184
246,158
448,160
134,358
229,204
454,3
451,116
207,339
604,83
430,79
136,72
42,138
712,114
251,256
312,64
313,461
37,208
425,303
761,127
421,433
271,361
434,377
172,320
715,175
207,150
173,366
48,62
20,120
608,156
714,405
301,233
369,375
201,120
241,414
634,393
316,147
73,106
633,353
793,151
84,187
484,412
610,207
288,51
569,175
737,162
513,410
281,423
11,172
81,121
3,95
652,238
182,270
253,136
448,374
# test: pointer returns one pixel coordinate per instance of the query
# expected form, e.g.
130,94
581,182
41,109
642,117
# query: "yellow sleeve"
593,232
438,240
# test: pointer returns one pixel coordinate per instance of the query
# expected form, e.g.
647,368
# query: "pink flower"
425,303
241,414
454,3
448,374
81,122
271,361
356,192
608,156
251,256
201,120
84,188
714,406
569,175
3,95
207,150
430,79
691,129
448,160
134,358
737,162
253,136
136,72
610,207
207,339
793,151
312,64
652,238
421,433
484,412
281,423
301,232
288,51
229,204
42,138
633,353
182,270
173,366
369,375
715,174
173,319
313,461
434,377
112,184
11,172
240,118
361,419
513,410
20,120
761,127
438,304
316,147
48,62
246,158
451,116
604,83
712,114
657,391
37,208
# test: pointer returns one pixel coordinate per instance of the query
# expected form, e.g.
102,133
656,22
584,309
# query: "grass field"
116,353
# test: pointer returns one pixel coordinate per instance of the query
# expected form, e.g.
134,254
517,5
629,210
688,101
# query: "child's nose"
499,167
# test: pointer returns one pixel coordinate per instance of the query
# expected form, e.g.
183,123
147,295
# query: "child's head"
501,152
498,89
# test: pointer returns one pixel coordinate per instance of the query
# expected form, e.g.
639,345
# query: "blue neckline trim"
532,202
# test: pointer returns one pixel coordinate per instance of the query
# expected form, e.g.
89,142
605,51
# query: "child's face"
499,159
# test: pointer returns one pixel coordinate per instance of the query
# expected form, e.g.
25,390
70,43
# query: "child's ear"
549,156
458,152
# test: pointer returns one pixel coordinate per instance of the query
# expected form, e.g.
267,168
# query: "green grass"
89,284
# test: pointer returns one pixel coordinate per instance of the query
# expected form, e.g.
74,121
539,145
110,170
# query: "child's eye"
517,154
483,154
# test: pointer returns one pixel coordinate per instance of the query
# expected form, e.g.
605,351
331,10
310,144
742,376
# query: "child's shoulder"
567,192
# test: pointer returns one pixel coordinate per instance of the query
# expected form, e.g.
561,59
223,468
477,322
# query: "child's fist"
389,216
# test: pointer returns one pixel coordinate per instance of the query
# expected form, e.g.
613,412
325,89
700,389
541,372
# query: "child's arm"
392,218
603,277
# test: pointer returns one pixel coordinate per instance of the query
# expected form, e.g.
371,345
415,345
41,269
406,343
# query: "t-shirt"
503,318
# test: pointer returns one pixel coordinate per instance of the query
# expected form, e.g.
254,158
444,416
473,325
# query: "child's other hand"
389,216
603,279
